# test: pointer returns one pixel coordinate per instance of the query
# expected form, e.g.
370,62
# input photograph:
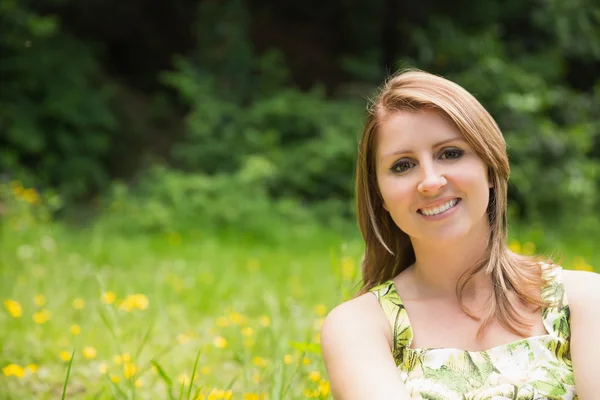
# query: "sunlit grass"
168,315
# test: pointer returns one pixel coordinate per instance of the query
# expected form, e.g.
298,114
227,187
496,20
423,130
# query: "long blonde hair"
389,250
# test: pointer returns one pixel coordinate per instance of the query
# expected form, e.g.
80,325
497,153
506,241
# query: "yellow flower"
259,361
348,268
321,310
134,301
183,379
89,352
78,303
114,378
515,246
32,368
247,331
205,370
126,357
13,307
14,370
128,369
324,388
31,196
139,382
65,355
75,329
581,265
220,342
314,376
237,318
108,297
264,321
256,378
102,368
306,361
39,300
41,317
288,359
222,322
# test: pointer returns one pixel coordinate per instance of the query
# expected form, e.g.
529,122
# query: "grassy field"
167,315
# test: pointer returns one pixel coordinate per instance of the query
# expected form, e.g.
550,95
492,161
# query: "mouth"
442,208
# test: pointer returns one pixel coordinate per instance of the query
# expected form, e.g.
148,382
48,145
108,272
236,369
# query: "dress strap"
557,316
394,310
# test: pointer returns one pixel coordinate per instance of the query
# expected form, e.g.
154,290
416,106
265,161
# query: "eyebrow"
438,144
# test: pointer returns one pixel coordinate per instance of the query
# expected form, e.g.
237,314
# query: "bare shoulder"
357,319
582,287
356,347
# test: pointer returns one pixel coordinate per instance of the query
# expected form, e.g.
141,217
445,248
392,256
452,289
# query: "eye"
402,166
452,154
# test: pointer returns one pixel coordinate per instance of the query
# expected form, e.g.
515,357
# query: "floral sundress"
535,368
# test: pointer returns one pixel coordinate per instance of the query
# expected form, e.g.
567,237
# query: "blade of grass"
164,377
64,393
193,373
182,390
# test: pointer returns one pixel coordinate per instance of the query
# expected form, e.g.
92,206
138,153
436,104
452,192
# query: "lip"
437,203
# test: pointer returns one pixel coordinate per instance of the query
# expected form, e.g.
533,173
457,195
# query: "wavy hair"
388,250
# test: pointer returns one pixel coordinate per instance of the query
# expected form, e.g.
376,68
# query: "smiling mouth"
439,209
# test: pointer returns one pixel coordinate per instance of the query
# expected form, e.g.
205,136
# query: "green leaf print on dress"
535,368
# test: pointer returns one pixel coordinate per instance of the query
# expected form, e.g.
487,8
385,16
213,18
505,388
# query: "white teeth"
439,209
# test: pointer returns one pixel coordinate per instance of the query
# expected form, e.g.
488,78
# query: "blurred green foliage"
254,147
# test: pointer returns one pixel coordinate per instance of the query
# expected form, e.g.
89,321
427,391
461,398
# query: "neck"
439,266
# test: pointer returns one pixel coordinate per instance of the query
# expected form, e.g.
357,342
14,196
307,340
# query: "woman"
447,311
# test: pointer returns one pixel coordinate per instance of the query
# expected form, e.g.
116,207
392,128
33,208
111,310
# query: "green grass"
225,311
191,315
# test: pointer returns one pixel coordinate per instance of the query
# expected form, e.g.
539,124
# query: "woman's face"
433,184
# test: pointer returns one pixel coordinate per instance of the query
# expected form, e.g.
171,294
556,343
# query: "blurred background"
181,174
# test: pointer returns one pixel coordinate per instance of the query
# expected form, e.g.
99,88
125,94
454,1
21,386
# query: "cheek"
394,192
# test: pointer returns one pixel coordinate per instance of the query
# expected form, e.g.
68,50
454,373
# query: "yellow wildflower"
288,359
129,370
39,300
108,297
259,361
75,329
183,379
321,310
14,370
324,388
65,355
32,368
41,317
31,196
314,376
515,246
115,378
256,378
13,307
102,368
306,361
237,318
222,322
348,268
220,342
139,382
78,303
134,301
89,352
247,331
205,370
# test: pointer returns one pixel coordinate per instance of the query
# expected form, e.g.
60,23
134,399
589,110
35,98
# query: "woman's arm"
356,342
583,294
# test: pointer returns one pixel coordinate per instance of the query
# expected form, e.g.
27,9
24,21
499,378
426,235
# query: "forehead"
415,127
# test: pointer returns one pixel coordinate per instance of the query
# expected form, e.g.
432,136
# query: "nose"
432,180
